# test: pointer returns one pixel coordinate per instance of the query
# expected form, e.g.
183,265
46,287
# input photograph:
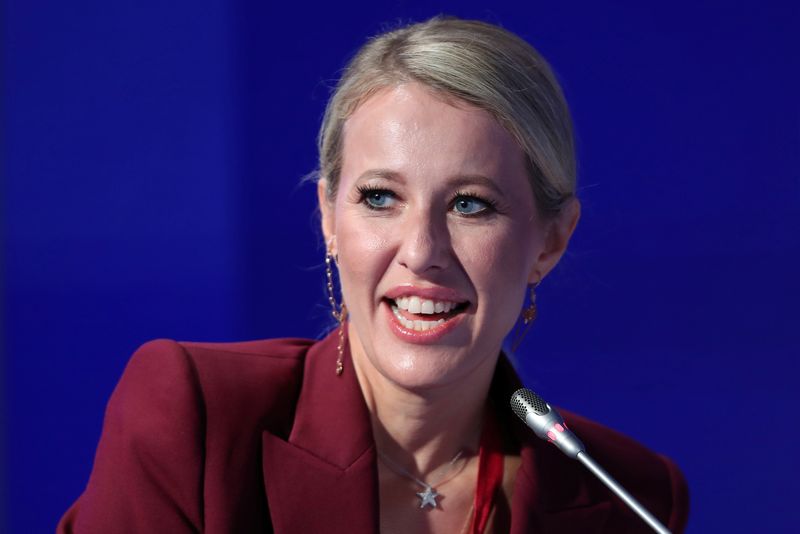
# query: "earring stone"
339,311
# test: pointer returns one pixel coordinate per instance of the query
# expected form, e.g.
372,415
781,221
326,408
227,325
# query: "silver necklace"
428,495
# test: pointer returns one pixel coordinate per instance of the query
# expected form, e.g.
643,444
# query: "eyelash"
491,205
365,190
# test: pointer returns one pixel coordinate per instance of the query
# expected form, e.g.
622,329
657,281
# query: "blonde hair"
475,62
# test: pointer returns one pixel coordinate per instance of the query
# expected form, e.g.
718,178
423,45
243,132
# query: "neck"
423,428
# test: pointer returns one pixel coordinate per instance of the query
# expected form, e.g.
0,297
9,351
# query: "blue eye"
469,205
377,198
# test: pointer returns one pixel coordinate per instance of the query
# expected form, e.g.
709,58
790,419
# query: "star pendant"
428,497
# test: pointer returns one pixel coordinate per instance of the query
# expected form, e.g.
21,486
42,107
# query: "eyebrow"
477,179
385,174
462,180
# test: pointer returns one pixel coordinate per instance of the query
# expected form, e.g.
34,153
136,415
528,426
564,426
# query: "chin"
422,364
420,370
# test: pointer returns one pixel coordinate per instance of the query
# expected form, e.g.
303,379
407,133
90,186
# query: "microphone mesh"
523,398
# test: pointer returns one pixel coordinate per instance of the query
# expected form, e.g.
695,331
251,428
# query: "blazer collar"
324,477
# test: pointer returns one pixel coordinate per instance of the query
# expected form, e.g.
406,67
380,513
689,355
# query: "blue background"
153,153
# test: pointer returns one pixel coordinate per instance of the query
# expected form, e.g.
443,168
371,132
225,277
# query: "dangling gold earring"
340,346
339,312
528,316
529,313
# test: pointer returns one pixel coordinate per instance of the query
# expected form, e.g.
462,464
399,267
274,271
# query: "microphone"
549,425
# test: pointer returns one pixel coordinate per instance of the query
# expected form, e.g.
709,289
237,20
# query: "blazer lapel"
550,493
549,497
324,477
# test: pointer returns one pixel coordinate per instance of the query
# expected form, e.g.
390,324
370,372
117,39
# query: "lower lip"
421,336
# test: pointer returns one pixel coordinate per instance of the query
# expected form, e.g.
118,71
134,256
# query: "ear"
326,212
558,233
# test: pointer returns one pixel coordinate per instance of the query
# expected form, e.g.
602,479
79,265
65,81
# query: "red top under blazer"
262,436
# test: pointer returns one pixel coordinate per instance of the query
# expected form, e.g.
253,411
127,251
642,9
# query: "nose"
425,242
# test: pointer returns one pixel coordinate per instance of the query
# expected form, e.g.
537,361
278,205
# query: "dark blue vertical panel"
119,217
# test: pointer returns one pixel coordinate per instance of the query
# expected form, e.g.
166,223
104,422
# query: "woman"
447,193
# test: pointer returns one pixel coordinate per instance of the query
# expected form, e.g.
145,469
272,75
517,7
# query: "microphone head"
545,421
523,400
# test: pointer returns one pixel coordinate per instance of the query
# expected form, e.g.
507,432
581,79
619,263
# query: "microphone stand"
621,492
548,424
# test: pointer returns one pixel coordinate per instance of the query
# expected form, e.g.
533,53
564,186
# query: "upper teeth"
424,306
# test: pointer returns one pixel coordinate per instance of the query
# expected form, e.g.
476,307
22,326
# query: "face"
437,235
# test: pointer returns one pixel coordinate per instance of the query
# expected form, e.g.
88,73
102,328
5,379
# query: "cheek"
496,259
363,258
498,265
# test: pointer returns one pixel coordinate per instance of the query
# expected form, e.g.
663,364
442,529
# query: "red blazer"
264,437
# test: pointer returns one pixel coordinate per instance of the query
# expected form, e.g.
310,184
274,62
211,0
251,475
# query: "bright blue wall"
153,152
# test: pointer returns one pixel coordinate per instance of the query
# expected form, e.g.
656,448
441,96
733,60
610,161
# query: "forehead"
411,129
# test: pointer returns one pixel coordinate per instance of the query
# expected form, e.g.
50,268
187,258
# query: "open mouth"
419,314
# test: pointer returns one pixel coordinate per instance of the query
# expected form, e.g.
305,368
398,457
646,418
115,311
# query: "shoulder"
212,361
163,363
168,382
617,449
254,374
654,479
263,352
182,416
